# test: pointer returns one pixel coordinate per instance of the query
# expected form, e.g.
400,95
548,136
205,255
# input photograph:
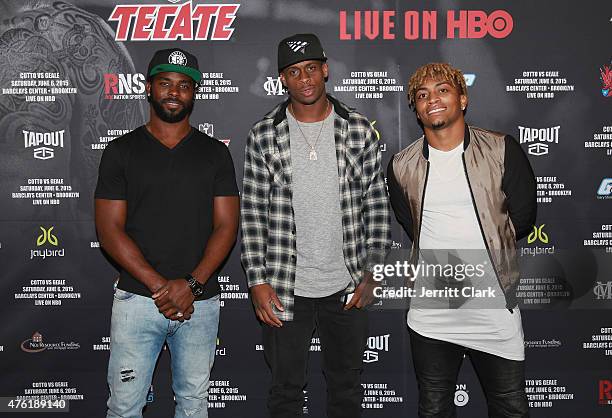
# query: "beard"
174,116
438,124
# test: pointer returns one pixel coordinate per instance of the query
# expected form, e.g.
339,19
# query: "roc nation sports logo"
43,143
177,58
46,239
539,139
298,46
274,87
171,22
124,86
606,80
605,392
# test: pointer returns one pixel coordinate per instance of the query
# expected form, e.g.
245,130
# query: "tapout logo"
374,346
539,139
124,86
42,142
171,22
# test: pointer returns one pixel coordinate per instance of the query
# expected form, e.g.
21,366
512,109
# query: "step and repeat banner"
71,80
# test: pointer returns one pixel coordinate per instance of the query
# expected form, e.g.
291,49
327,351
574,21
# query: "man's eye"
421,95
443,90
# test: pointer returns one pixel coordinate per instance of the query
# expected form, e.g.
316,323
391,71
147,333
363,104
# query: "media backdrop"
71,79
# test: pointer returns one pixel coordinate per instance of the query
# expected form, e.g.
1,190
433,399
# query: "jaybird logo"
46,236
538,234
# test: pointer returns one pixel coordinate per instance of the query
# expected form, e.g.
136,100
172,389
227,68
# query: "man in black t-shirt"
167,213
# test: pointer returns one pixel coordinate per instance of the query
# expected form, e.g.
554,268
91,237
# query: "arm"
225,209
519,185
254,228
254,210
111,216
176,293
221,241
398,201
110,223
375,212
376,219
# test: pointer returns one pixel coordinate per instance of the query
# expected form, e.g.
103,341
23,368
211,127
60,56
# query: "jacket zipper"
418,236
484,238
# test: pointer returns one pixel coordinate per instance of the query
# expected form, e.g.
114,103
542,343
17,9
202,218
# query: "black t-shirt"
169,194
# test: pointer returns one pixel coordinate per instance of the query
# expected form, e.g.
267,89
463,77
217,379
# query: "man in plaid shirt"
315,220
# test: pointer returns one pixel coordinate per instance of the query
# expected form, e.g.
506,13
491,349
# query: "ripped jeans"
138,333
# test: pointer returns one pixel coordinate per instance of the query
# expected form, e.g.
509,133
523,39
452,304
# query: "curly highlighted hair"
435,71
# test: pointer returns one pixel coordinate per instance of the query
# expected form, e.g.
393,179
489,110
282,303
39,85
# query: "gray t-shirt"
320,268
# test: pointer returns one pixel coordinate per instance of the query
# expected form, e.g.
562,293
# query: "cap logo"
178,58
297,46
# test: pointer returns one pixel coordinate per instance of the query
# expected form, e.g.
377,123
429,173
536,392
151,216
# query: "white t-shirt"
450,229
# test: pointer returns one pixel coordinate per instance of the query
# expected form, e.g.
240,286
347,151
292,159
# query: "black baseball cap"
298,48
174,60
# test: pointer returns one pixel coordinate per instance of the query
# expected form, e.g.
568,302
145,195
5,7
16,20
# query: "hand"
263,297
364,294
173,298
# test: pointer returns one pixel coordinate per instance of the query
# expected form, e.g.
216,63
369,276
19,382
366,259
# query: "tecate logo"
153,22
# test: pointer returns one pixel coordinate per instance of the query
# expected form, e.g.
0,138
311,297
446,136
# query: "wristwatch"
196,287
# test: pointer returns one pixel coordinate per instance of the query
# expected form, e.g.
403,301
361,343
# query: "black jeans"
343,336
437,365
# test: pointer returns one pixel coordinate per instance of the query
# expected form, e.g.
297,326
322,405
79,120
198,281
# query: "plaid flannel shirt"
267,219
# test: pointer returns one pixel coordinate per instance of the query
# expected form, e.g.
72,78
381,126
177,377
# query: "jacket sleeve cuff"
256,276
376,256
